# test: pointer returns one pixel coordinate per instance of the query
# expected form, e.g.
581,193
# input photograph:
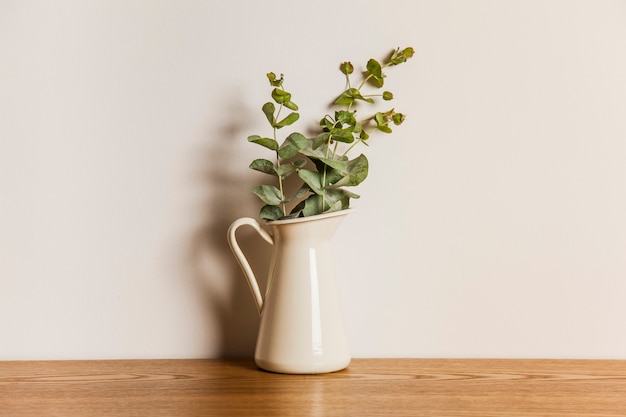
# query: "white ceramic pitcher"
302,328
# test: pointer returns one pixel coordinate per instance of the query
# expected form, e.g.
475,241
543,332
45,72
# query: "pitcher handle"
241,258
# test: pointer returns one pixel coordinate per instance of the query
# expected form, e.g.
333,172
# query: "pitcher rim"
312,218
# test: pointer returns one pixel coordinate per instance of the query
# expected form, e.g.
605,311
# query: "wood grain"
369,387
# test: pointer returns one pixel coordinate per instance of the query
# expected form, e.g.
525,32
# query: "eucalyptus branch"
323,188
280,178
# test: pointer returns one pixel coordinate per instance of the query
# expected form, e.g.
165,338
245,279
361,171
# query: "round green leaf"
268,194
290,119
292,145
269,109
376,71
346,68
269,143
313,179
398,118
280,96
270,212
354,172
265,166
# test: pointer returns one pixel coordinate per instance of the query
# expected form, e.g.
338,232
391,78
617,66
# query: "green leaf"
344,192
290,119
320,155
292,145
381,123
313,179
336,206
291,105
274,81
346,98
346,68
338,165
268,194
333,200
327,123
286,170
320,140
315,153
313,205
399,56
408,52
302,192
280,96
350,95
345,117
376,71
270,212
266,142
265,166
374,68
354,173
398,118
297,209
269,109
338,199
342,135
332,176
333,166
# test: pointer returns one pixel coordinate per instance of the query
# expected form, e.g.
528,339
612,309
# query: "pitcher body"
302,328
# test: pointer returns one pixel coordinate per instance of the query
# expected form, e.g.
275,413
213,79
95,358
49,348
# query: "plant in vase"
301,329
330,171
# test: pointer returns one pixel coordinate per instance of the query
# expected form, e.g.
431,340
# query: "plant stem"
280,178
363,82
356,142
324,176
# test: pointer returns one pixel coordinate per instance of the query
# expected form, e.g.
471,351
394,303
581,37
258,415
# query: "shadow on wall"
218,281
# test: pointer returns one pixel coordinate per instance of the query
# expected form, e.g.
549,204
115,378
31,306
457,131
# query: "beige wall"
492,224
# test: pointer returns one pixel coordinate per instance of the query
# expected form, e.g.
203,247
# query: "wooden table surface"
369,387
